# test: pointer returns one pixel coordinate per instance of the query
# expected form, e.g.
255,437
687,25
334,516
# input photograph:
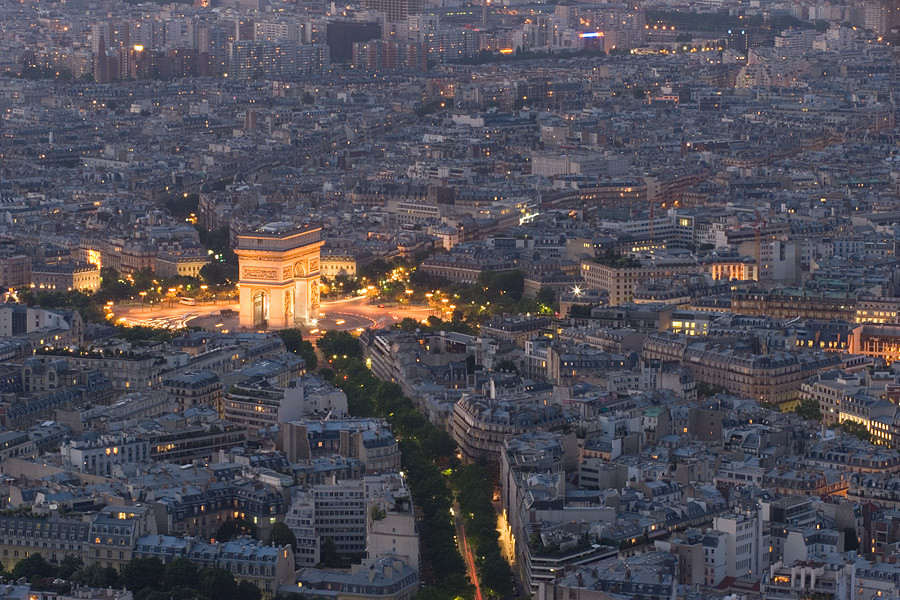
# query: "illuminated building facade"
279,275
877,341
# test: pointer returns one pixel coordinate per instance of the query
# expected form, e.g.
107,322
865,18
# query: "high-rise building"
114,35
213,41
452,44
270,31
395,11
745,543
244,29
314,59
341,35
101,62
388,54
277,59
739,40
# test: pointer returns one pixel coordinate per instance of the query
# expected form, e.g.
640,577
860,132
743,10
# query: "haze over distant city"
446,300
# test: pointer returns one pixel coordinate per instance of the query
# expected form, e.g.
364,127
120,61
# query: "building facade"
279,275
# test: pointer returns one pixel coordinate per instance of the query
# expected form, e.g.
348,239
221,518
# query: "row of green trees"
493,294
147,578
339,345
115,288
91,309
294,342
426,450
434,324
719,23
808,408
223,269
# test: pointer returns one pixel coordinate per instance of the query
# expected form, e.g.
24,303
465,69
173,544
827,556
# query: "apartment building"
391,520
480,425
257,404
773,377
126,371
880,341
388,578
268,567
98,455
195,388
370,441
106,538
745,541
621,277
83,277
340,509
783,303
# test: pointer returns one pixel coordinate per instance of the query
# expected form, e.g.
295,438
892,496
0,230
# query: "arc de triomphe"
279,275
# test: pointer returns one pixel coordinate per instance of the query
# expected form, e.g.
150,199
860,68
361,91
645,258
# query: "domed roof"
58,364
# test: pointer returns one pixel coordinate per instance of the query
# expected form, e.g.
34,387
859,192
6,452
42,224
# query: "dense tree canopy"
856,429
341,344
141,573
96,576
809,409
426,450
282,535
294,342
474,486
33,568
234,528
147,578
180,573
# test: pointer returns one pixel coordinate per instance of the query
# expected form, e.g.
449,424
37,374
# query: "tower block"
279,275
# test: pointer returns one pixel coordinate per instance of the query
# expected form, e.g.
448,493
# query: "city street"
350,314
466,552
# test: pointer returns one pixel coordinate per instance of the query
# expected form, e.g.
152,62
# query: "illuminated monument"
279,275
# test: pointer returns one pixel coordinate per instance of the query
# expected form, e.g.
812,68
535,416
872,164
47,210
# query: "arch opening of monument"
260,309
